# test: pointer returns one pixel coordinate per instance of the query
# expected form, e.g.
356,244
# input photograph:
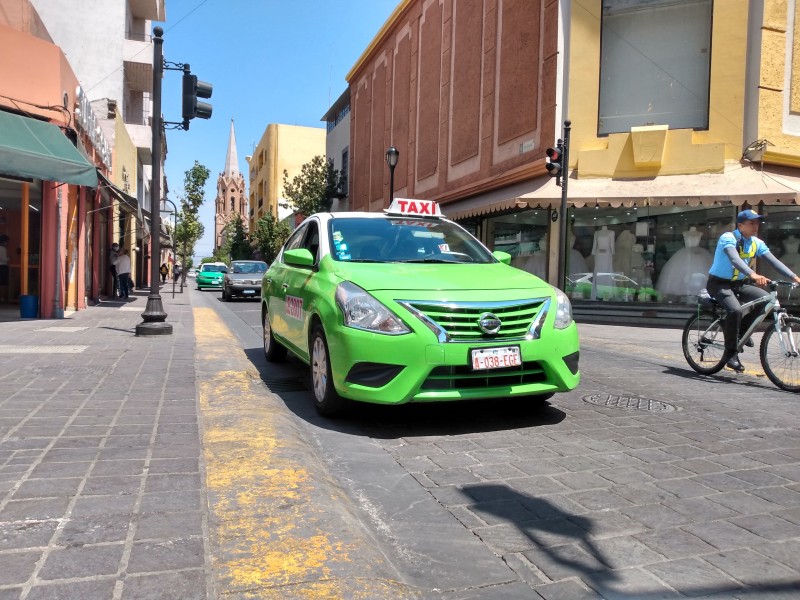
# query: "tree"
237,242
269,236
189,229
314,189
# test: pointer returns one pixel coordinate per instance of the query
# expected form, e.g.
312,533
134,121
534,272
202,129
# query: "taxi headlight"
563,310
363,311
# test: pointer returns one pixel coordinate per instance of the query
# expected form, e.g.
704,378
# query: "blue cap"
748,215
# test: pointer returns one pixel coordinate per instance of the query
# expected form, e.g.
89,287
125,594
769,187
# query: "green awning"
38,150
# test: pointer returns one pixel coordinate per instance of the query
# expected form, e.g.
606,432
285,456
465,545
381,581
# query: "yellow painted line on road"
270,534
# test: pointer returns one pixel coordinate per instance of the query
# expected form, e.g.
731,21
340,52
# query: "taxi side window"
311,240
295,240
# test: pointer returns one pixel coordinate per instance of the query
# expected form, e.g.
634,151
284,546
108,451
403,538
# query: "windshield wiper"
426,260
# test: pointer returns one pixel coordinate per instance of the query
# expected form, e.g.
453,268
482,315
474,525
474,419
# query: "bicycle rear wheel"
704,343
780,364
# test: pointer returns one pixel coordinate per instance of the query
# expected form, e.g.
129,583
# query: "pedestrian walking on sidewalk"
113,255
124,273
164,271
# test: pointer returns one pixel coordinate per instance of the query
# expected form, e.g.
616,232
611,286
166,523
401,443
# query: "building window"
655,62
344,170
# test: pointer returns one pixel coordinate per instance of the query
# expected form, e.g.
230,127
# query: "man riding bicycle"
729,277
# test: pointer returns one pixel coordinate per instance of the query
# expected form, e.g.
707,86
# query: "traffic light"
554,166
193,89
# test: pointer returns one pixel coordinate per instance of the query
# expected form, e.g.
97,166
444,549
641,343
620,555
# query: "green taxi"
211,275
407,306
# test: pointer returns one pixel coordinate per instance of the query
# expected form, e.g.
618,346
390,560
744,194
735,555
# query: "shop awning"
130,203
737,185
38,150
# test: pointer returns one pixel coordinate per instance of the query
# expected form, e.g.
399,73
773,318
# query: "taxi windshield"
404,239
214,269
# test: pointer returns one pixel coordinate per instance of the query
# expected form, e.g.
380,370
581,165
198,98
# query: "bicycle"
704,343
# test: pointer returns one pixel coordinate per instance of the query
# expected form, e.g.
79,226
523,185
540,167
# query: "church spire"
231,159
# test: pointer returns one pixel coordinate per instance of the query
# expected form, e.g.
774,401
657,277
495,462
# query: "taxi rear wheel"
272,349
327,402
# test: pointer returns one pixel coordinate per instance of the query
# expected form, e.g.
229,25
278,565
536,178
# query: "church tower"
231,196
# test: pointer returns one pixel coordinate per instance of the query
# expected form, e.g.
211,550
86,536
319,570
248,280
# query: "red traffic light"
554,167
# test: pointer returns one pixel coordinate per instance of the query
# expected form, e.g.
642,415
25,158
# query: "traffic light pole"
154,317
562,232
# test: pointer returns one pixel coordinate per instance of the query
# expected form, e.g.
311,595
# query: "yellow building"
281,148
681,115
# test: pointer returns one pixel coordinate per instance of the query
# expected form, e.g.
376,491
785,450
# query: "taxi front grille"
463,377
460,321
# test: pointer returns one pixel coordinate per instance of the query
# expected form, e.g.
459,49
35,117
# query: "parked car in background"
243,279
609,286
192,272
210,275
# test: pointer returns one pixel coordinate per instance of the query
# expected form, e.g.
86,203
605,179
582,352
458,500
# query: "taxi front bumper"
398,369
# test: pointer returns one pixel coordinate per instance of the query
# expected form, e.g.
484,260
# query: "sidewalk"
101,484
162,467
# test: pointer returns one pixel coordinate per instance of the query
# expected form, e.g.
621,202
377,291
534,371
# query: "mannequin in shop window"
686,272
622,252
577,263
537,262
790,257
603,250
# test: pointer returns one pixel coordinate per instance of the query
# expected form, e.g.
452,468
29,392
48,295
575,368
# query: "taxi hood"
437,276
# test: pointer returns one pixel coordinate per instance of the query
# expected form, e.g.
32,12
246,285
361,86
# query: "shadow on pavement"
290,381
564,547
729,376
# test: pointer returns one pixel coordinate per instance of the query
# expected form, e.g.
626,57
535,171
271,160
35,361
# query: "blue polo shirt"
748,249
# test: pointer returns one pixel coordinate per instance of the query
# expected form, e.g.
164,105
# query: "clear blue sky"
270,61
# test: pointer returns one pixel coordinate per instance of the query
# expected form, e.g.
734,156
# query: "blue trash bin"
28,306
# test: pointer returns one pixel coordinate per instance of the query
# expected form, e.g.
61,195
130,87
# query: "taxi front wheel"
327,402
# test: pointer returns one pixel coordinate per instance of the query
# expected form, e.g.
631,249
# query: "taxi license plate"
249,292
495,358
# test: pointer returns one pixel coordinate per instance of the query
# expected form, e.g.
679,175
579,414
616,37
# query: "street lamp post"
392,154
154,319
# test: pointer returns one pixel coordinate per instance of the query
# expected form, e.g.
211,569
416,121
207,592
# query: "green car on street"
210,275
407,306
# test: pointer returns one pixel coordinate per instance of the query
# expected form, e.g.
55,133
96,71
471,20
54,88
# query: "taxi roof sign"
416,208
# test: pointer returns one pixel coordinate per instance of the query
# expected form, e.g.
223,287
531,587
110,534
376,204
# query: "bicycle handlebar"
774,284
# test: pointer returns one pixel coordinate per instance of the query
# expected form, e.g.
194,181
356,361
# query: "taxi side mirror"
503,257
299,257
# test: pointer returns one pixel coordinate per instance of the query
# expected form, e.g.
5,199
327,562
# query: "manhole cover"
286,384
628,402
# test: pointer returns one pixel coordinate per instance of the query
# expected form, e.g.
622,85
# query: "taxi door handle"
285,287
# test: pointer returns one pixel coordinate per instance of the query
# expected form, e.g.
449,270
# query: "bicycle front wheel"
780,362
704,343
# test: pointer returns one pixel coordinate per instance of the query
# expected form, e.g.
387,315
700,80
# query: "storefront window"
781,232
524,236
655,64
20,230
644,254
